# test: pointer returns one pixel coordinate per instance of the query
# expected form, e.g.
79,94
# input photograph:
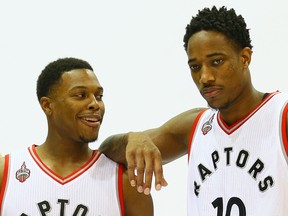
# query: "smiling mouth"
91,121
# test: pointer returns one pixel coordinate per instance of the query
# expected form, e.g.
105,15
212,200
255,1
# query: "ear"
246,55
46,105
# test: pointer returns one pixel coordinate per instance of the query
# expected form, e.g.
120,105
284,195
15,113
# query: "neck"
241,107
63,160
63,151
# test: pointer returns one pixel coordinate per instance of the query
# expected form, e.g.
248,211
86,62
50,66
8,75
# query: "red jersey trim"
195,123
120,189
4,180
230,129
284,128
56,177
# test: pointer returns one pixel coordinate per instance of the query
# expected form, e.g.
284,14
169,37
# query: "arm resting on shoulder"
148,150
114,147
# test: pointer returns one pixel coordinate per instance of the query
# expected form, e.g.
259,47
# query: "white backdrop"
137,52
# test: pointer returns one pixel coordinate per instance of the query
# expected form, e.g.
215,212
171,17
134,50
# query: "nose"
94,104
206,75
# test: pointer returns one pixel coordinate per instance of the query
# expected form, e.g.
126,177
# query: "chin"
213,106
88,140
217,104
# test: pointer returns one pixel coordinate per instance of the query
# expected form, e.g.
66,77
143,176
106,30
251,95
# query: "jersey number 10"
218,203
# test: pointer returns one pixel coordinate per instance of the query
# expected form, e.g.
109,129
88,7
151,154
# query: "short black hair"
52,73
233,26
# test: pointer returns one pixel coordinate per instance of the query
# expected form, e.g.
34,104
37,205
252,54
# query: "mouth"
210,92
91,120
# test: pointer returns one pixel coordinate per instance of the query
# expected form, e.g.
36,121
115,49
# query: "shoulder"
188,116
135,203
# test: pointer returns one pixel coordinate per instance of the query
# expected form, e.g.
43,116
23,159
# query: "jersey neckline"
55,176
230,129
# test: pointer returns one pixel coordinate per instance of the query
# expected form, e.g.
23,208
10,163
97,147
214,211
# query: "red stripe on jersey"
284,128
120,189
230,129
4,180
195,123
54,175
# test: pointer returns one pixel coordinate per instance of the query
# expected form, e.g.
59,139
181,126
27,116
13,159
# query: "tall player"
63,176
237,148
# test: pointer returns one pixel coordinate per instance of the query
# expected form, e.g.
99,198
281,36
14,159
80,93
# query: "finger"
140,174
131,166
148,175
158,171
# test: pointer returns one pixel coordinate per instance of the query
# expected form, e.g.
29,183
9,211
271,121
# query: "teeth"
90,119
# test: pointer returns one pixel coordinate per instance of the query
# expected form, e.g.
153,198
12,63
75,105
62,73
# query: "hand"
144,158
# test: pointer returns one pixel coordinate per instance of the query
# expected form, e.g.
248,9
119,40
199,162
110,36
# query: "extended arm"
115,148
148,150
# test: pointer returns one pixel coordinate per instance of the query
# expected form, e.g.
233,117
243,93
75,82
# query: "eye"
195,67
81,95
99,97
217,61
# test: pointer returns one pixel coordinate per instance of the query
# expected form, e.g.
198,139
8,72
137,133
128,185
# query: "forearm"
114,147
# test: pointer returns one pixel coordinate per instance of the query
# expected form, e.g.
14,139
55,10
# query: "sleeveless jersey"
30,188
241,169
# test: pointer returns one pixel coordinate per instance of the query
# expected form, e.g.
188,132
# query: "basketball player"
63,176
237,148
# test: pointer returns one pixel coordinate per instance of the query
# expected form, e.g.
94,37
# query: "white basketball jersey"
241,169
32,189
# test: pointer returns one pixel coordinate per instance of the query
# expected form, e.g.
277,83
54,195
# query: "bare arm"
115,147
148,150
136,203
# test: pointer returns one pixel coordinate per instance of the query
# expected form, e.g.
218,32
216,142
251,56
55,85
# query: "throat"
242,108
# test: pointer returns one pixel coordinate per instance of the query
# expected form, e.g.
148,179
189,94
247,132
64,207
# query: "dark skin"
74,111
221,73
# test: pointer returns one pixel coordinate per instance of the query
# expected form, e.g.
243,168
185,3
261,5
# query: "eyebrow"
208,56
100,88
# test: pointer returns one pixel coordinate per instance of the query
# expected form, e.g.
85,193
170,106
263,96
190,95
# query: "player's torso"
239,170
34,190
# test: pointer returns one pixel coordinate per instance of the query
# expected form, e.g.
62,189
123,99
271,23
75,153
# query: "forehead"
209,42
79,77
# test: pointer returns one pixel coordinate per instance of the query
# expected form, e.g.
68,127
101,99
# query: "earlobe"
45,103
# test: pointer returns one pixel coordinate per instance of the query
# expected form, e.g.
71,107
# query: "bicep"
136,203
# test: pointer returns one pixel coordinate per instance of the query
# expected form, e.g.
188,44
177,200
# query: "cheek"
228,75
196,78
102,108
